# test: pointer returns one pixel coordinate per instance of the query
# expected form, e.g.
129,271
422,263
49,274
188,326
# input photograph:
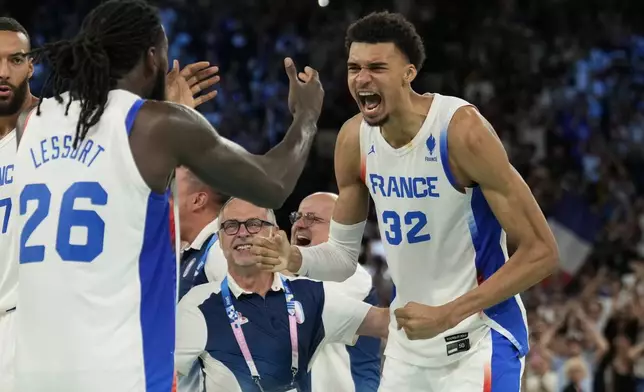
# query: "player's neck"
401,128
403,125
8,123
252,279
131,83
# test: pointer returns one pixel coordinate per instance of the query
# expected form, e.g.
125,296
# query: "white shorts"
7,351
493,365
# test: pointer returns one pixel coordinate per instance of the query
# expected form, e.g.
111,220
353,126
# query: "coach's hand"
305,92
423,321
184,86
271,253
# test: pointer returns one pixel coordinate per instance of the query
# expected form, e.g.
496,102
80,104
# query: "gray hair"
270,214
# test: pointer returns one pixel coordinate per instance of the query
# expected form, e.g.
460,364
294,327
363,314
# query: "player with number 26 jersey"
439,241
98,230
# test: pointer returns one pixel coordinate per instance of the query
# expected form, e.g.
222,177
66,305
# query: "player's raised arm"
265,180
479,157
336,259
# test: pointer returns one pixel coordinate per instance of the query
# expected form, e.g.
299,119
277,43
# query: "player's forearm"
335,260
322,262
523,270
286,160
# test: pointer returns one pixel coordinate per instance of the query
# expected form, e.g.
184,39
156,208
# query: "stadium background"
562,81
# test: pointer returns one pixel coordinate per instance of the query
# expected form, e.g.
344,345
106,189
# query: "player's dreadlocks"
112,39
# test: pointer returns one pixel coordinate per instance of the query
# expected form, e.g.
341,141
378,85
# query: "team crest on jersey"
431,146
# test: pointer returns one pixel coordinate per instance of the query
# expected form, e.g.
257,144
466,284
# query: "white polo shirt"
350,368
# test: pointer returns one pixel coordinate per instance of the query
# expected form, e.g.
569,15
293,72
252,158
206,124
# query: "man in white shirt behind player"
443,214
338,367
16,69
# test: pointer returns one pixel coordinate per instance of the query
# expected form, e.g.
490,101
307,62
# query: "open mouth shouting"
370,102
302,238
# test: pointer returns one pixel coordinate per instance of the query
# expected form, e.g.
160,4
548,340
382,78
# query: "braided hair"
112,40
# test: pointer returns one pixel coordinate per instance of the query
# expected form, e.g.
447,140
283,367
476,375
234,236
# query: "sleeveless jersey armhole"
131,115
444,150
363,155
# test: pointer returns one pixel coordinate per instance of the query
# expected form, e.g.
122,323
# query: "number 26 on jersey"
409,226
68,217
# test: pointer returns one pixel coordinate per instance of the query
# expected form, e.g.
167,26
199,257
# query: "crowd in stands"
562,81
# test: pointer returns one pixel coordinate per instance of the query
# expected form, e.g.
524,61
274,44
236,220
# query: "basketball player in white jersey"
15,71
445,195
97,273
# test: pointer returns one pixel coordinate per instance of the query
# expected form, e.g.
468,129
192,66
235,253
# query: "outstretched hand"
184,86
305,92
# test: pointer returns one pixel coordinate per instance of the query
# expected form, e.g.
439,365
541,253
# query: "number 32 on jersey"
410,225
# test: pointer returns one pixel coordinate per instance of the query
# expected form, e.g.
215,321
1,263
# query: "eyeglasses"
308,218
253,226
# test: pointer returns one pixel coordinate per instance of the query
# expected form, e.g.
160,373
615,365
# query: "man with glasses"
258,330
338,367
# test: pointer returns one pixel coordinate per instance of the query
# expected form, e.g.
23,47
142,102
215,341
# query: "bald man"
246,328
338,367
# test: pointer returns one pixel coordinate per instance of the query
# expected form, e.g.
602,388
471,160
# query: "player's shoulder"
171,121
162,111
469,128
352,124
448,100
164,122
349,135
471,136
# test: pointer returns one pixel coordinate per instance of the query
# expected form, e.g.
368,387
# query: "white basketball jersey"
97,270
8,268
439,242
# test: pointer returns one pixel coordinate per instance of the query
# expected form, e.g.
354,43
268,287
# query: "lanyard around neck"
204,255
235,324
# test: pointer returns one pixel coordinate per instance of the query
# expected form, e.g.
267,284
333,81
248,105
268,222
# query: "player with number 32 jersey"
445,195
